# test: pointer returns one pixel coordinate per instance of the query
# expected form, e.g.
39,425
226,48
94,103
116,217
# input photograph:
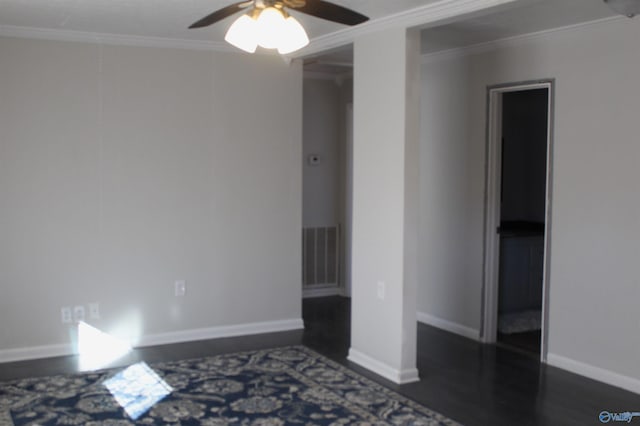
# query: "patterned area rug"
283,386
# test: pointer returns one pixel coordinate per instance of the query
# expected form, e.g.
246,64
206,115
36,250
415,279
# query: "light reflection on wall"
98,349
129,326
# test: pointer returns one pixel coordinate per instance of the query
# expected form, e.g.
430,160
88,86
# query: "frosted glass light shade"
629,8
243,34
294,37
271,26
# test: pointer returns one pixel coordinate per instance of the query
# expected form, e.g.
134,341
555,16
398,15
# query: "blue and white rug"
274,387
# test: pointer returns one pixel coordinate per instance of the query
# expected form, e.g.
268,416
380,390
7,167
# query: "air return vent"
320,257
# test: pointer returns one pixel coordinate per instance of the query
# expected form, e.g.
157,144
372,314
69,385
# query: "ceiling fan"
268,24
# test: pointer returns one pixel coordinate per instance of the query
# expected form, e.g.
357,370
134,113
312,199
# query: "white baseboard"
35,352
219,331
49,351
596,373
321,292
450,326
397,376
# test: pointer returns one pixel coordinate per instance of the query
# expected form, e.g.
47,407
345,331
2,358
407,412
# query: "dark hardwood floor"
528,341
472,383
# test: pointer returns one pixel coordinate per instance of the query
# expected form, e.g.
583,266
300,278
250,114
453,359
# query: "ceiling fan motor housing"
280,4
294,3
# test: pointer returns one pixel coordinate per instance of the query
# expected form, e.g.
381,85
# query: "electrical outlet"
78,313
180,288
381,290
94,311
65,315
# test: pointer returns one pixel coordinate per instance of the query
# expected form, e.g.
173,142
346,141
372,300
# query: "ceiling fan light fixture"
295,37
271,28
267,24
628,8
243,34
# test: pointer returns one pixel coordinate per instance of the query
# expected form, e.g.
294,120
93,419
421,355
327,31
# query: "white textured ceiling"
529,17
524,17
162,18
169,19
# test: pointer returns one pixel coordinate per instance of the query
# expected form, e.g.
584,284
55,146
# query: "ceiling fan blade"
332,12
220,14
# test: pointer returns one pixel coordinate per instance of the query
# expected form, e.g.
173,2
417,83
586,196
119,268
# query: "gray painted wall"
123,169
385,178
594,287
451,198
321,131
324,129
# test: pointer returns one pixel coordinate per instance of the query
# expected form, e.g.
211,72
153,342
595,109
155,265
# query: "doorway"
518,216
326,183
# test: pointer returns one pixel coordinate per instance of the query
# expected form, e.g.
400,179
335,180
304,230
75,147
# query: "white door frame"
493,175
348,200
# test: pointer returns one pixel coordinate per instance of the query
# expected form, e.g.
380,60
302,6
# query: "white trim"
321,292
548,224
220,331
420,16
427,14
36,352
491,252
443,9
112,39
596,373
400,377
450,326
348,199
514,41
492,209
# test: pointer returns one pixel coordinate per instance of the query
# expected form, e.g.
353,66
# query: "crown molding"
420,16
112,39
479,48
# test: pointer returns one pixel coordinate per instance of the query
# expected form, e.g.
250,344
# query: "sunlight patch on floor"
137,389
